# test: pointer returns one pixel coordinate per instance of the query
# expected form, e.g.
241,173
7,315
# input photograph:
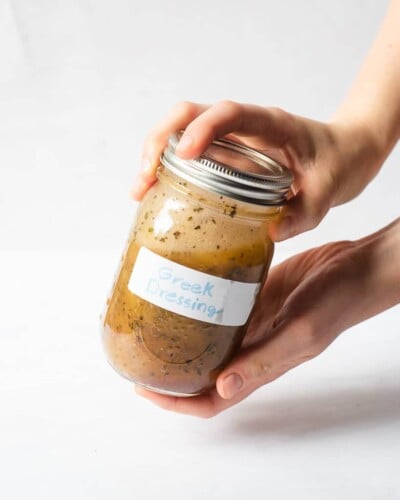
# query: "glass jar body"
178,343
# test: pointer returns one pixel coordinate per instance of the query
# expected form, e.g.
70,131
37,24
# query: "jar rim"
232,169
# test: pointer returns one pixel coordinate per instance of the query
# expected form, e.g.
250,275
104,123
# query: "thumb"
304,211
262,363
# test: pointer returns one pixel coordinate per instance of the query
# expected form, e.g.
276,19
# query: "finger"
156,141
179,117
141,186
292,344
282,279
273,294
266,126
204,406
305,210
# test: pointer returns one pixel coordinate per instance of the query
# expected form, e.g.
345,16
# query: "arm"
372,106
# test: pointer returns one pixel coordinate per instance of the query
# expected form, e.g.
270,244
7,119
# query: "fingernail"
231,385
285,228
185,142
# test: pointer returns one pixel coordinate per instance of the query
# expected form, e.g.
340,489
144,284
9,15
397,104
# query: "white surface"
72,428
81,82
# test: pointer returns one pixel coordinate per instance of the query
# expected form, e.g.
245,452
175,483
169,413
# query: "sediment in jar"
156,347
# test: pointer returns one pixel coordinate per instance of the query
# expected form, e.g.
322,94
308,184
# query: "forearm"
373,103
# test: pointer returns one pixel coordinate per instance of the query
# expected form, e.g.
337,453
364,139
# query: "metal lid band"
233,170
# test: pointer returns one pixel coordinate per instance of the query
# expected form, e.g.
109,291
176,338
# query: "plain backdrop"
81,84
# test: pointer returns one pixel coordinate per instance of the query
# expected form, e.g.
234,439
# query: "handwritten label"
191,293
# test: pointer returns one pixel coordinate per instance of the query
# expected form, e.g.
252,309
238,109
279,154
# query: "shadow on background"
332,411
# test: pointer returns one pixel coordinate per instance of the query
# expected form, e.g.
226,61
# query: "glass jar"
195,261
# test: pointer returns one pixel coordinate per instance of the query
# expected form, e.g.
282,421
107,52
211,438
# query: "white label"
191,293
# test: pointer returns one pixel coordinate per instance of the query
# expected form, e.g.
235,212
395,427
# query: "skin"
304,305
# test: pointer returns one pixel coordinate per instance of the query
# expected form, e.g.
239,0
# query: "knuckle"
258,368
232,107
316,212
285,125
307,337
168,405
338,254
313,220
287,120
207,414
184,108
279,112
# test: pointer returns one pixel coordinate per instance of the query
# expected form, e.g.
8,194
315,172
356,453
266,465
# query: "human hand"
321,156
306,302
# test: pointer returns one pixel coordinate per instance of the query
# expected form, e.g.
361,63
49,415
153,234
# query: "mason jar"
197,256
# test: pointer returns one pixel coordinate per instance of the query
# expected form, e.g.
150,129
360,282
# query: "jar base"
149,387
167,393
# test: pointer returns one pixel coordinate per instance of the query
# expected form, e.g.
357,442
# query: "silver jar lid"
233,170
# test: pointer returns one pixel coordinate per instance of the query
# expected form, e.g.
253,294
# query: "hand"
306,302
322,157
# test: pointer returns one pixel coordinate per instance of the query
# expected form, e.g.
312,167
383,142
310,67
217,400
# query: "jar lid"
233,170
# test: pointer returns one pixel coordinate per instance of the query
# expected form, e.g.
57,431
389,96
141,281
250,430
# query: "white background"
81,83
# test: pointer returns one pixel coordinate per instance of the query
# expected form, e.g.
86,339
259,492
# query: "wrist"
360,156
381,261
